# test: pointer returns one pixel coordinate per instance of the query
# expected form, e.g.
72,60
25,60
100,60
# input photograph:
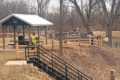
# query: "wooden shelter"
24,20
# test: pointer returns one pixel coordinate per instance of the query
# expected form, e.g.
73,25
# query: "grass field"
115,34
14,72
95,61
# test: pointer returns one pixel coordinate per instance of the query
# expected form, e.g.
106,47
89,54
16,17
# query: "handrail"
66,63
54,56
59,63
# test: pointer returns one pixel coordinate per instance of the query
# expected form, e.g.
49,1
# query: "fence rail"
54,65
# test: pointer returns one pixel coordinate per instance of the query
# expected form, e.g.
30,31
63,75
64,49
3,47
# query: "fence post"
17,50
92,41
25,54
112,75
52,45
37,52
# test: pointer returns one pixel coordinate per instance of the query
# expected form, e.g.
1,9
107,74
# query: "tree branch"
104,7
97,1
117,9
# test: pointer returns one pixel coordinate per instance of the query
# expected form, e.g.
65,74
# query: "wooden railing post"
17,49
52,45
112,75
3,29
25,54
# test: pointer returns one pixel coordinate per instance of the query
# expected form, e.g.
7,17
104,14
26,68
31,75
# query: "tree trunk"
109,34
60,29
84,20
88,29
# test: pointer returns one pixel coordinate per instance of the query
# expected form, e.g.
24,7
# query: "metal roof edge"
15,15
22,19
6,18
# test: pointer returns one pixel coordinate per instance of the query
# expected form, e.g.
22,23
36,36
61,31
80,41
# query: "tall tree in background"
14,6
42,6
110,15
8,7
74,20
2,9
61,28
85,12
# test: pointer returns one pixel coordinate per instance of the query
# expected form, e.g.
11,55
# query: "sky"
53,5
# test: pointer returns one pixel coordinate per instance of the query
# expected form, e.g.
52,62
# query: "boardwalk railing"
53,65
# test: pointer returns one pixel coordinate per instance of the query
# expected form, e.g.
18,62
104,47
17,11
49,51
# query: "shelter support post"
46,34
3,29
14,28
17,50
38,35
53,36
29,35
23,31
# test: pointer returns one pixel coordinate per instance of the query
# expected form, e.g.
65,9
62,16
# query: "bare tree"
2,9
61,28
110,15
16,7
74,20
7,7
42,6
85,14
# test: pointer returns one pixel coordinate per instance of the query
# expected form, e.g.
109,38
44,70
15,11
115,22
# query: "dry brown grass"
26,72
114,33
95,61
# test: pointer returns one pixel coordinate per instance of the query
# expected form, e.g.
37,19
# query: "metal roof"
33,20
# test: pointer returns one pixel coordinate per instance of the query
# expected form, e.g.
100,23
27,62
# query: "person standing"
33,40
98,40
106,40
90,37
